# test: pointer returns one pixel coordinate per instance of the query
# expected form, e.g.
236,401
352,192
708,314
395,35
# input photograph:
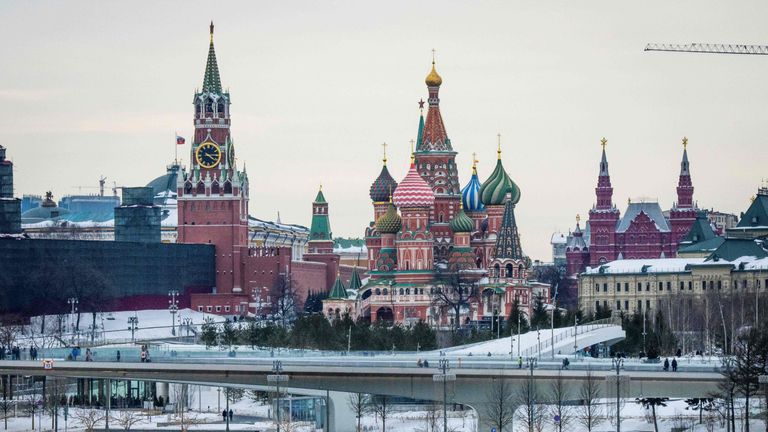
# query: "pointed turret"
338,292
354,281
508,239
684,184
211,80
320,236
604,190
434,137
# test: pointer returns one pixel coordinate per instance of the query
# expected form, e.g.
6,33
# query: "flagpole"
175,149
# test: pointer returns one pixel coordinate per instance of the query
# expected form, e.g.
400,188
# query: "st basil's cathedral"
434,247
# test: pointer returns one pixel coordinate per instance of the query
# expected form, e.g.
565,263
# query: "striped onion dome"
461,223
383,186
390,222
413,191
495,189
470,194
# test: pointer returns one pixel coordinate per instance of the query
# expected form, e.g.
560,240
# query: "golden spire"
321,187
384,145
474,163
603,142
413,155
211,31
685,143
498,150
390,194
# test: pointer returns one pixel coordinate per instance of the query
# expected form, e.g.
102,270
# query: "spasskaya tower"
213,193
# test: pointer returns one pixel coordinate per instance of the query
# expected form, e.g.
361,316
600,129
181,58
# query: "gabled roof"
651,209
703,246
757,213
732,249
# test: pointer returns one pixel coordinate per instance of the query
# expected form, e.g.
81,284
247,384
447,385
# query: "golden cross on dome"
413,157
578,218
498,150
384,145
474,160
603,142
433,56
685,143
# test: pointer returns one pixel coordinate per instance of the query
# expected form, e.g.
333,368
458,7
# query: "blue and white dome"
470,194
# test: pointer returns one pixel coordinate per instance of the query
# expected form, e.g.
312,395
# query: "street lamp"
444,376
72,302
187,323
645,350
519,317
133,325
277,377
173,307
575,334
617,363
538,341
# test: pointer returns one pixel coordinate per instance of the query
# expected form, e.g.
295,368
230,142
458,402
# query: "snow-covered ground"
113,327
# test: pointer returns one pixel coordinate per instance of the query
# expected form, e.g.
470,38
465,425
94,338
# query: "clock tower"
213,193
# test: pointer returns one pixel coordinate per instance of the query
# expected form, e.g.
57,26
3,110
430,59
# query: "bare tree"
56,391
89,418
381,408
32,404
6,406
358,403
432,418
527,396
500,404
590,414
126,419
559,395
284,306
454,293
183,416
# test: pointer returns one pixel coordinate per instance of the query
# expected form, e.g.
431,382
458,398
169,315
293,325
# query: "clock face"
208,155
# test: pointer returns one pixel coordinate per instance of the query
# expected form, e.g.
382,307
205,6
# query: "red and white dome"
413,191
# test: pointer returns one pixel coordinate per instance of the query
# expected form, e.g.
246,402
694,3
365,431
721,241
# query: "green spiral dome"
390,222
495,189
461,223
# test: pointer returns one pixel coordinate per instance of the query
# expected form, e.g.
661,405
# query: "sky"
100,88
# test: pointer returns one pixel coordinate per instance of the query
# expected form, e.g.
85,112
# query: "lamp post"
444,376
575,334
133,325
645,350
519,317
552,324
538,341
72,302
617,364
173,308
531,364
187,324
277,377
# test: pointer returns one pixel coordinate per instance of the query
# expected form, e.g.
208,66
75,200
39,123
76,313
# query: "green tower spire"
211,80
338,292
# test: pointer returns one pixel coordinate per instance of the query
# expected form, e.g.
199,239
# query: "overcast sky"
98,88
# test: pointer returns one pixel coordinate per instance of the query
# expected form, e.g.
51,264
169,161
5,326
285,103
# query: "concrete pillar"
161,388
341,417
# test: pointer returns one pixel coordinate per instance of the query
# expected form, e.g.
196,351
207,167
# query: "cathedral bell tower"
213,194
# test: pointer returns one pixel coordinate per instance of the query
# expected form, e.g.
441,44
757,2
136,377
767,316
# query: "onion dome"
383,186
390,222
499,184
433,79
413,191
461,223
470,194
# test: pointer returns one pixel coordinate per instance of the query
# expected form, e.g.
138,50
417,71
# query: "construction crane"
710,48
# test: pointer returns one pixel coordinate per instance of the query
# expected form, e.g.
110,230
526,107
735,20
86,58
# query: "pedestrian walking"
231,415
666,365
674,365
118,356
519,362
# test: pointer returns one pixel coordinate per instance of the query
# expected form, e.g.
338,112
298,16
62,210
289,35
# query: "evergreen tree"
209,333
540,318
512,321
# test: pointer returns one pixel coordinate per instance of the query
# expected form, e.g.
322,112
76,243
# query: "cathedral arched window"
228,187
509,270
208,107
496,270
201,188
401,291
187,188
215,188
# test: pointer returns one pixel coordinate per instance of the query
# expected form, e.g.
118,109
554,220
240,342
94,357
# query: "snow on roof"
657,265
558,238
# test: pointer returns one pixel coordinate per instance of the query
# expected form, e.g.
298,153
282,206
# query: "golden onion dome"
433,79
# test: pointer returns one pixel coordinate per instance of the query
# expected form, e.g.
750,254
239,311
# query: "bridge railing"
579,329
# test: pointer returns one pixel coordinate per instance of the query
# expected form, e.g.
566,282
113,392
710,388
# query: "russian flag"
180,140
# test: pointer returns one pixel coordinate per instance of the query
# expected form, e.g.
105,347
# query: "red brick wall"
308,276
